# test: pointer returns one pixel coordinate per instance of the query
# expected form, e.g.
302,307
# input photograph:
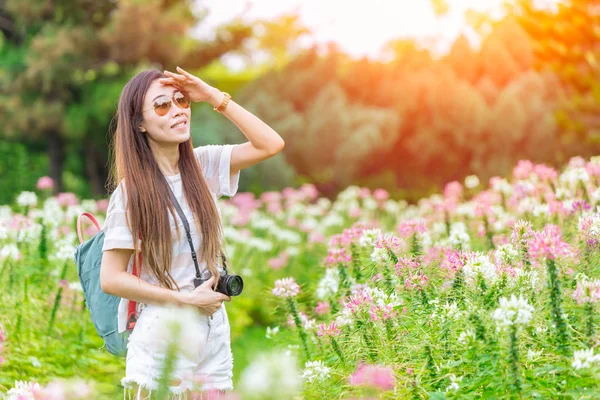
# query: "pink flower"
279,262
364,192
274,208
375,376
270,197
416,281
45,182
453,190
316,237
388,241
587,291
548,244
406,263
310,191
411,227
102,205
337,256
545,173
286,287
63,283
66,199
322,308
242,218
358,301
382,312
330,330
354,212
523,169
292,222
381,194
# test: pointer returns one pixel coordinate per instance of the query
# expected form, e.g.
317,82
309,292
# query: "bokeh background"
399,95
389,94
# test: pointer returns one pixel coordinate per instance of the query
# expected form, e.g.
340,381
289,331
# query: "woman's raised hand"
205,298
194,86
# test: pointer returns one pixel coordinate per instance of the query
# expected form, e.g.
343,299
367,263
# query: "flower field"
482,291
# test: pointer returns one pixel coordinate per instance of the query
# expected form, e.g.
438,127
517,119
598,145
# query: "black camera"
229,284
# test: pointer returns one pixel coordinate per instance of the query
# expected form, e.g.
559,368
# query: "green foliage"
19,169
565,38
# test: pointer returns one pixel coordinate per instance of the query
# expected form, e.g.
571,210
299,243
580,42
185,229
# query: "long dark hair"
147,191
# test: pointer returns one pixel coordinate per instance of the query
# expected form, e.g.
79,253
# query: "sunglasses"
162,104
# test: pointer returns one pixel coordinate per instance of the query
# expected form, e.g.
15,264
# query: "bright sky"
360,28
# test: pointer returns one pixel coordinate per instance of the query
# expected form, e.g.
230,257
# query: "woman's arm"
263,143
115,280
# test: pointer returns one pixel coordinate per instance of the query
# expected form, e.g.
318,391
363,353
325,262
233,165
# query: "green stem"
337,350
300,328
57,299
355,263
514,360
344,279
556,307
589,327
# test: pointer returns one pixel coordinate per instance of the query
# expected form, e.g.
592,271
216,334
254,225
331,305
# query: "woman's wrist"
180,298
216,97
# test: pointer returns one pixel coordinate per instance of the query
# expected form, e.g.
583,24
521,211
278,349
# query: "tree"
64,64
566,42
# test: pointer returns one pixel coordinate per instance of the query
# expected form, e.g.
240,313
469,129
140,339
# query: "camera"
229,284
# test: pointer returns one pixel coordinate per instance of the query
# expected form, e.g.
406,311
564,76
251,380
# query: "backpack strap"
132,305
91,218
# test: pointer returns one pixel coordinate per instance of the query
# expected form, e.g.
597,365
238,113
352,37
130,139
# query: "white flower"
391,206
369,236
315,371
479,263
286,287
261,222
459,238
507,254
27,199
10,251
329,284
272,375
23,390
502,186
260,244
332,219
370,203
471,181
35,361
344,318
292,251
466,336
271,332
585,359
65,251
514,311
380,255
532,355
454,383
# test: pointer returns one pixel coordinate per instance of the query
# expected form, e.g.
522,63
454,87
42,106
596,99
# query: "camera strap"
186,225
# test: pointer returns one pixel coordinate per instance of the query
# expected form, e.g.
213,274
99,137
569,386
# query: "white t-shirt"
215,161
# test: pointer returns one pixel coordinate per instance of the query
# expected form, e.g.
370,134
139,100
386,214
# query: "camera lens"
235,285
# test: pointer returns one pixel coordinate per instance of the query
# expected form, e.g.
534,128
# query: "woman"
153,152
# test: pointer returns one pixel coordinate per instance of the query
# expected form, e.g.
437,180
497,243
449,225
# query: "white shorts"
211,367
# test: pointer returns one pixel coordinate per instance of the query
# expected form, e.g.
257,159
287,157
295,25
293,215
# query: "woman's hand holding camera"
205,298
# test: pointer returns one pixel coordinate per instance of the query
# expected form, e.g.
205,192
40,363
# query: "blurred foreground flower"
271,376
375,376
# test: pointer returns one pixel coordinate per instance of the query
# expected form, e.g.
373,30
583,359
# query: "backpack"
103,307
